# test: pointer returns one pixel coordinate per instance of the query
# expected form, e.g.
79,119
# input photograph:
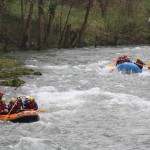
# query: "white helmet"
27,97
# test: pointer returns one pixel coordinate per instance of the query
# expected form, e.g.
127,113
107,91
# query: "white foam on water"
50,98
32,66
128,100
145,72
105,70
34,144
57,67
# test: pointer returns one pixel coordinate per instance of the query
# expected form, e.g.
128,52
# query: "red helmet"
2,93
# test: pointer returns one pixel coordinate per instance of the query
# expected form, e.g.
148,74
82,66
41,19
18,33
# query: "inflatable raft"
128,68
23,116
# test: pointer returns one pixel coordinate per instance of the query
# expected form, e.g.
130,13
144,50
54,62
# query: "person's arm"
6,107
36,106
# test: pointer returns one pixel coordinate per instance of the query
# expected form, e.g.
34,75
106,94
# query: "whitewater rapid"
87,107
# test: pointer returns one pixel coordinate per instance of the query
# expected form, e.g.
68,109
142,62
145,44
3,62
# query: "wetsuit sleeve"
36,106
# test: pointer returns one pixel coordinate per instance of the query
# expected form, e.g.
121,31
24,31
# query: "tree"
40,23
26,38
103,6
65,25
129,7
84,25
22,13
52,8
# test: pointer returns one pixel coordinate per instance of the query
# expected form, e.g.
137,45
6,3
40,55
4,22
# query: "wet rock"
37,73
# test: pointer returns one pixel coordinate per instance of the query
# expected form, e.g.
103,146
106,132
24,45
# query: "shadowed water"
88,108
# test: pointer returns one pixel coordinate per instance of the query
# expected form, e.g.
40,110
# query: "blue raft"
128,68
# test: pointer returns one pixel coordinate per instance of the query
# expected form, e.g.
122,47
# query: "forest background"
44,24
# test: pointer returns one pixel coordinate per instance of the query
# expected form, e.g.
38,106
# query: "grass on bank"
8,63
11,70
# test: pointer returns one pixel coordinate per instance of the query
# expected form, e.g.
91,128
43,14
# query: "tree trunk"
26,38
103,6
129,7
22,13
60,22
62,33
84,25
40,24
52,9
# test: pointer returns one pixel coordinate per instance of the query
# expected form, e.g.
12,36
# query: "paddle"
6,117
41,110
148,64
112,64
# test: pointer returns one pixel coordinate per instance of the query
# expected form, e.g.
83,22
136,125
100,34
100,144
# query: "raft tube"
128,68
23,116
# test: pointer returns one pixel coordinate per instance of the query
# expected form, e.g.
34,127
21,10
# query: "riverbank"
11,72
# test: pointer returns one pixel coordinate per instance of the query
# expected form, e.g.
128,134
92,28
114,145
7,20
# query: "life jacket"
119,61
0,100
11,105
123,59
26,104
2,106
19,104
32,105
139,64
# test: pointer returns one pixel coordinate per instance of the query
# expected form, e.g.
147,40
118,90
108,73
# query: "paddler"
3,105
1,96
33,103
139,63
26,103
119,60
12,105
19,103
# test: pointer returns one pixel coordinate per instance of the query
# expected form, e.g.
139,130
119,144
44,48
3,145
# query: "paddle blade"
148,64
41,110
110,65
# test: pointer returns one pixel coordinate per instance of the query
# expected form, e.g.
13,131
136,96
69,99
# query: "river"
87,107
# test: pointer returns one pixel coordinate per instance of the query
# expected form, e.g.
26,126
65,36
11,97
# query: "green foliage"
11,70
116,27
14,83
15,73
8,74
8,63
23,71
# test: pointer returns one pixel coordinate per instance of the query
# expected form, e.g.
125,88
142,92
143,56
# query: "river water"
87,107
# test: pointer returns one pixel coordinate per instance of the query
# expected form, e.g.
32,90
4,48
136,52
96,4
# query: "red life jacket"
124,59
2,106
119,61
19,104
31,105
